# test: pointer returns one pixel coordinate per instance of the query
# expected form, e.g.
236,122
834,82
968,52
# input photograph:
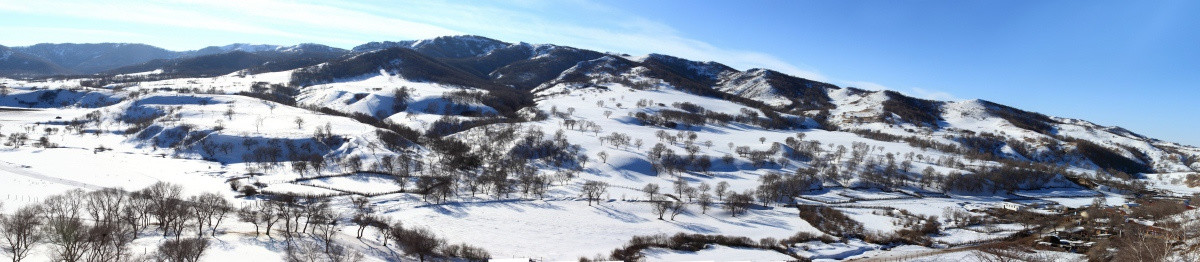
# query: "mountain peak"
460,46
91,58
708,72
311,47
251,48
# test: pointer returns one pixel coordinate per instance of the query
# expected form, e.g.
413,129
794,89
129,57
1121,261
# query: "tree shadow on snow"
695,227
619,215
459,209
456,211
769,222
731,221
631,165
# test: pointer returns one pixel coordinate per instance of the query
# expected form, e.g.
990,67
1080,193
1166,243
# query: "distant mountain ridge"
540,70
95,58
114,58
15,63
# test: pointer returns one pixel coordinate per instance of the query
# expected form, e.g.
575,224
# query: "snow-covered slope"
498,145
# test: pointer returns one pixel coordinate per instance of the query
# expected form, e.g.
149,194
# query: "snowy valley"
467,148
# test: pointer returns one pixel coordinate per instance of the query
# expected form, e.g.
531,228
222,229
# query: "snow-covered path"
20,170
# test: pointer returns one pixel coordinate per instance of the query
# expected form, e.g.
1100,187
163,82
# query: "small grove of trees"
100,225
182,250
422,243
593,190
21,231
830,221
16,140
632,251
738,203
293,217
496,161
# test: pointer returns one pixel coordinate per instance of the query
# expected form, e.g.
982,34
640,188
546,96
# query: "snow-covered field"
560,226
715,253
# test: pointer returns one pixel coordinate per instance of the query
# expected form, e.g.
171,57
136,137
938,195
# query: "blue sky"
1134,64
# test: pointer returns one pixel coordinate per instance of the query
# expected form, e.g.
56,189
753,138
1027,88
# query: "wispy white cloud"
289,16
913,91
934,94
150,13
864,85
66,31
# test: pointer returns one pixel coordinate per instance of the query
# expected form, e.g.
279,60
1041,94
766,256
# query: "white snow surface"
561,226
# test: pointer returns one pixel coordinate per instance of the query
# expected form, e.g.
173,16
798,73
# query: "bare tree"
722,188
299,122
316,211
68,237
182,212
268,215
250,215
64,228
326,228
182,250
300,167
136,212
738,203
258,123
660,206
165,204
705,201
705,164
418,241
389,230
290,216
21,231
308,251
104,205
679,185
212,208
66,205
651,190
108,241
229,112
677,207
593,190
317,163
691,193
354,163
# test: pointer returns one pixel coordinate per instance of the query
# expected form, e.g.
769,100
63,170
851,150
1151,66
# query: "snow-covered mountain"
257,48
124,58
441,47
95,58
14,63
553,152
